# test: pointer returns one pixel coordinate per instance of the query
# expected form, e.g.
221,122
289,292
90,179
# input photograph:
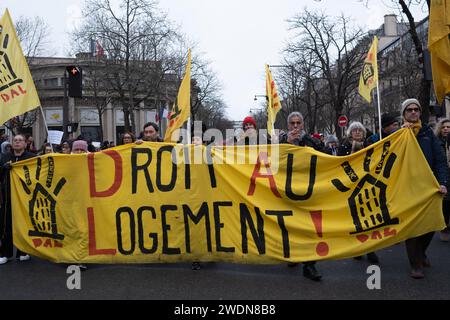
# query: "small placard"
55,136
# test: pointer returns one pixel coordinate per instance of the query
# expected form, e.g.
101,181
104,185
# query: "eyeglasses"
412,110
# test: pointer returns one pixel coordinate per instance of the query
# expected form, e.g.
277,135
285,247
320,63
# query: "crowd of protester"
435,146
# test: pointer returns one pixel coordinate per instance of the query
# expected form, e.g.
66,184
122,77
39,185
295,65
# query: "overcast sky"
237,36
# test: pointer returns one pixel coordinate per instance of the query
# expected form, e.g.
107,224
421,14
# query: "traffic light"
75,81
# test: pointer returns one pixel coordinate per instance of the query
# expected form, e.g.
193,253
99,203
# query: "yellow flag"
182,108
274,104
369,74
439,45
17,91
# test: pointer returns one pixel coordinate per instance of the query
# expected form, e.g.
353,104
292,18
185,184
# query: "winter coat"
331,151
346,147
305,141
432,150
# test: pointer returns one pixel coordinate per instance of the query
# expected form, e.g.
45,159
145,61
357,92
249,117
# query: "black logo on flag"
42,206
8,77
367,202
367,74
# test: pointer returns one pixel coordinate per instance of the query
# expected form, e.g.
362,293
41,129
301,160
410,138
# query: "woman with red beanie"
250,135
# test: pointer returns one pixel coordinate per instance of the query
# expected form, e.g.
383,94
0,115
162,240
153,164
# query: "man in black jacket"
296,135
18,153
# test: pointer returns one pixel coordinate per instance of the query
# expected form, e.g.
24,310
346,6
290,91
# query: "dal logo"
8,77
367,201
42,206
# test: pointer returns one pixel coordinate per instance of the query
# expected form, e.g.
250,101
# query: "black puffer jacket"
346,147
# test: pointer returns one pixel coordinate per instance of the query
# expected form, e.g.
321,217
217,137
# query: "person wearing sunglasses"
297,135
411,111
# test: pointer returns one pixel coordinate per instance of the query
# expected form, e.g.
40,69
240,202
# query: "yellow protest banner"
146,203
17,91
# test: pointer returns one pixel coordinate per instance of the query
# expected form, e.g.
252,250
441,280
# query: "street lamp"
260,95
256,110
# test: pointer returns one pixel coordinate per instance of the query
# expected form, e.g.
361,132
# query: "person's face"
196,140
30,140
445,128
357,134
150,134
78,151
392,127
65,148
295,124
332,144
19,143
412,113
127,139
248,125
48,149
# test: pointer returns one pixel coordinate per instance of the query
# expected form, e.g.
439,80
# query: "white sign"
96,144
55,136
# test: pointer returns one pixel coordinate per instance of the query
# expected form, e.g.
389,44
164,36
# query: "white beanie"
407,102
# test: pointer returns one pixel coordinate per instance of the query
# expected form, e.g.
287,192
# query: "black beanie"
388,119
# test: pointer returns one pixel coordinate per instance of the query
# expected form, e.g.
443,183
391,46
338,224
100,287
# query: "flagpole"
46,127
379,109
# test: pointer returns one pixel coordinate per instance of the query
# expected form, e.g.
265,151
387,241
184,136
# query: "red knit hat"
249,120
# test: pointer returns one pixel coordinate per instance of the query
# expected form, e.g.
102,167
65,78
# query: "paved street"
343,279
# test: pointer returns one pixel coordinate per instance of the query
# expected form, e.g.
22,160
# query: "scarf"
415,126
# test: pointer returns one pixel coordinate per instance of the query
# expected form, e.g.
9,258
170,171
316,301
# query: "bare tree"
335,52
146,57
97,86
138,41
405,7
207,88
425,86
33,36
